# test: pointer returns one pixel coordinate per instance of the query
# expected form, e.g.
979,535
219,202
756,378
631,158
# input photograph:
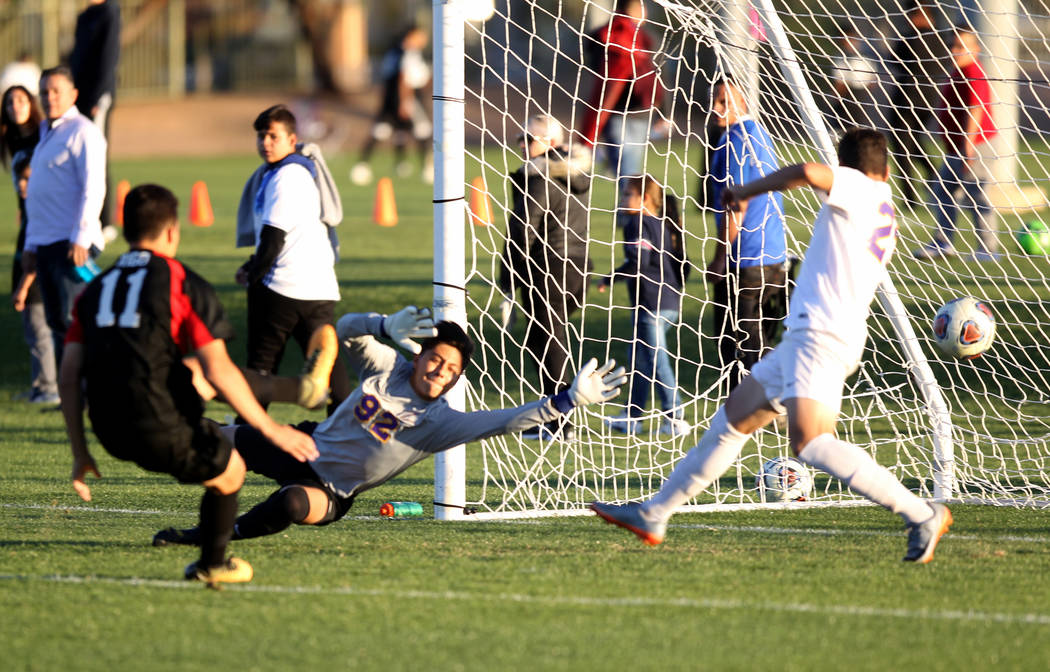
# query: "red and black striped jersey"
136,321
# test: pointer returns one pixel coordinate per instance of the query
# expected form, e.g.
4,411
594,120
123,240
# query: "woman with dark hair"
20,117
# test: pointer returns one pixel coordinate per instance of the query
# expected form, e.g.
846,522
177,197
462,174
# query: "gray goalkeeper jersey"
383,428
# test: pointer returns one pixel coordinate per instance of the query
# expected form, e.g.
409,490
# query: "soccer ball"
784,479
964,328
1034,237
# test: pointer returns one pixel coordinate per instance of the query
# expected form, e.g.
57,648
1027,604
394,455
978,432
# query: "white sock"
864,476
709,459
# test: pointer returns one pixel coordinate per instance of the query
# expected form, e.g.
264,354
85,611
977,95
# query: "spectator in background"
63,202
22,71
747,269
965,124
291,282
655,270
96,51
404,73
916,63
853,75
545,255
20,117
626,92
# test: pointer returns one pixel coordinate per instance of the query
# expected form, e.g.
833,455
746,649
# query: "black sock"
288,505
217,515
269,389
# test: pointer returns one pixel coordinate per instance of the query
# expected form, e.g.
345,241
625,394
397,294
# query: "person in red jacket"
966,123
626,92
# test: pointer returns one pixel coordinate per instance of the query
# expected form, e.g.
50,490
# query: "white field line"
813,531
859,611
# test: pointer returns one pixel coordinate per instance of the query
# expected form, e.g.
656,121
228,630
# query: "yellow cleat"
321,353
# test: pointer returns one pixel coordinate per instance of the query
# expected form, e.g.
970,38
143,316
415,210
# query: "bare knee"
231,479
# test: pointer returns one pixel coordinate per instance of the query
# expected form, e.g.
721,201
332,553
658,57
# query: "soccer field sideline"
858,611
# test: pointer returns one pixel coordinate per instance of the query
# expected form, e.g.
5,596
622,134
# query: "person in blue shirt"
655,269
748,268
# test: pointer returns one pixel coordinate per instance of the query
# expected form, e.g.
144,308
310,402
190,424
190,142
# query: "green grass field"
82,588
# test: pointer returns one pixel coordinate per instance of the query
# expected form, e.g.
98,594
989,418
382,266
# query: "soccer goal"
975,431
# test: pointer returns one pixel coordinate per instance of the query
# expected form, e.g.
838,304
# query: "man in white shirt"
63,201
292,287
853,240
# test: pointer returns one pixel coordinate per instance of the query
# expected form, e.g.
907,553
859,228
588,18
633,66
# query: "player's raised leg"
745,411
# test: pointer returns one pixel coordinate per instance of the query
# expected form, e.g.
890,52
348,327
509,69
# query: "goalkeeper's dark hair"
148,210
865,150
450,333
276,114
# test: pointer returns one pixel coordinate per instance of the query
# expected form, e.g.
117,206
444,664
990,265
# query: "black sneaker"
175,537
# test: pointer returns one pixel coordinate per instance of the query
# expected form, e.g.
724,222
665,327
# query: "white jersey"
383,427
853,240
305,267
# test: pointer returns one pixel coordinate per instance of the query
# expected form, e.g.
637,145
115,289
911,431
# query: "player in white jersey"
853,240
395,418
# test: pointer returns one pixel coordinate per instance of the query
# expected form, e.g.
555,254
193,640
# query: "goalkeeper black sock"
217,515
288,505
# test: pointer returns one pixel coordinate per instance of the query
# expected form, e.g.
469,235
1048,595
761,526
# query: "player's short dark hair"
148,209
865,150
61,71
450,333
276,113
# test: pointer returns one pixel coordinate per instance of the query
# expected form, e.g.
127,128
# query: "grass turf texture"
790,590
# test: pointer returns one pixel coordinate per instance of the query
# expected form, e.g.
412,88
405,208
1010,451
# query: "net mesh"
536,57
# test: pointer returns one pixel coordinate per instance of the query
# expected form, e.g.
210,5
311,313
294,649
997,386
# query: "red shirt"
628,79
965,93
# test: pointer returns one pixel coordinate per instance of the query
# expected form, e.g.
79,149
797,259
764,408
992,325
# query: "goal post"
969,431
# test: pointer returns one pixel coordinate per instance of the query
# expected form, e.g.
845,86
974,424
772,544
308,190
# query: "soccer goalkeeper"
395,418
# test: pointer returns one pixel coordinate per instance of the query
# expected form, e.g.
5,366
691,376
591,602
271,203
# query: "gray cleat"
923,537
629,517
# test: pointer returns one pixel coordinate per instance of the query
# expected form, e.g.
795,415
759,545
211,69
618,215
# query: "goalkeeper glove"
591,386
408,323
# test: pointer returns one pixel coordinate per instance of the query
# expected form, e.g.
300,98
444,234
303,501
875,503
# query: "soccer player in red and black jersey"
132,327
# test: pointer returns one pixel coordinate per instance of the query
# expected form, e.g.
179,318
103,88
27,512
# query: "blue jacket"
654,271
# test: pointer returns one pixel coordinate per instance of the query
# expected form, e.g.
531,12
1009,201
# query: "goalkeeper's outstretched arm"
816,175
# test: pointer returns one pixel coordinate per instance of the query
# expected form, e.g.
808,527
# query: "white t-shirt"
305,267
853,240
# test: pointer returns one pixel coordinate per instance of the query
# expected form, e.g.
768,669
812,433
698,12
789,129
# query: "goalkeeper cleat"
674,427
233,570
175,537
923,537
630,517
322,350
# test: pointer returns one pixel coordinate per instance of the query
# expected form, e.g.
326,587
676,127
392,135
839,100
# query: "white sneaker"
983,256
428,172
674,427
934,250
361,174
624,424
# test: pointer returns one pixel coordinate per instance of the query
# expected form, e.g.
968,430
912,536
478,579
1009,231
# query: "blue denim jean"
59,287
957,187
627,136
652,364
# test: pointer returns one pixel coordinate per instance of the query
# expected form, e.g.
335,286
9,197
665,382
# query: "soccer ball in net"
784,479
964,328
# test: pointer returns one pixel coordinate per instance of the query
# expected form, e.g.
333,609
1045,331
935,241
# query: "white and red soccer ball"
784,479
964,328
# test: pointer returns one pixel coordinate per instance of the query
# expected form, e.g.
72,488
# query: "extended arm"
224,375
69,382
816,175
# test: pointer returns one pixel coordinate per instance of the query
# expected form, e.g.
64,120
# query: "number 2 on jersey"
380,425
883,238
130,316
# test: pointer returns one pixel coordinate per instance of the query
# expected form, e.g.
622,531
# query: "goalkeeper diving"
395,418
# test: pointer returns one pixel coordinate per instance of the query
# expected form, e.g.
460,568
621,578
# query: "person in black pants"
546,250
917,60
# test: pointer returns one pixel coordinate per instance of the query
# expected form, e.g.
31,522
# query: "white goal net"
970,430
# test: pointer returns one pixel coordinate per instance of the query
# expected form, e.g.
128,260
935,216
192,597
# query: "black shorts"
192,454
266,459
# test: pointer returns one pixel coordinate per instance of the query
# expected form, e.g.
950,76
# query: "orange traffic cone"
123,187
480,206
200,205
385,212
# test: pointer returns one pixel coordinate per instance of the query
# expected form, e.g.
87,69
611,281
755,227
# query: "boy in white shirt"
853,240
